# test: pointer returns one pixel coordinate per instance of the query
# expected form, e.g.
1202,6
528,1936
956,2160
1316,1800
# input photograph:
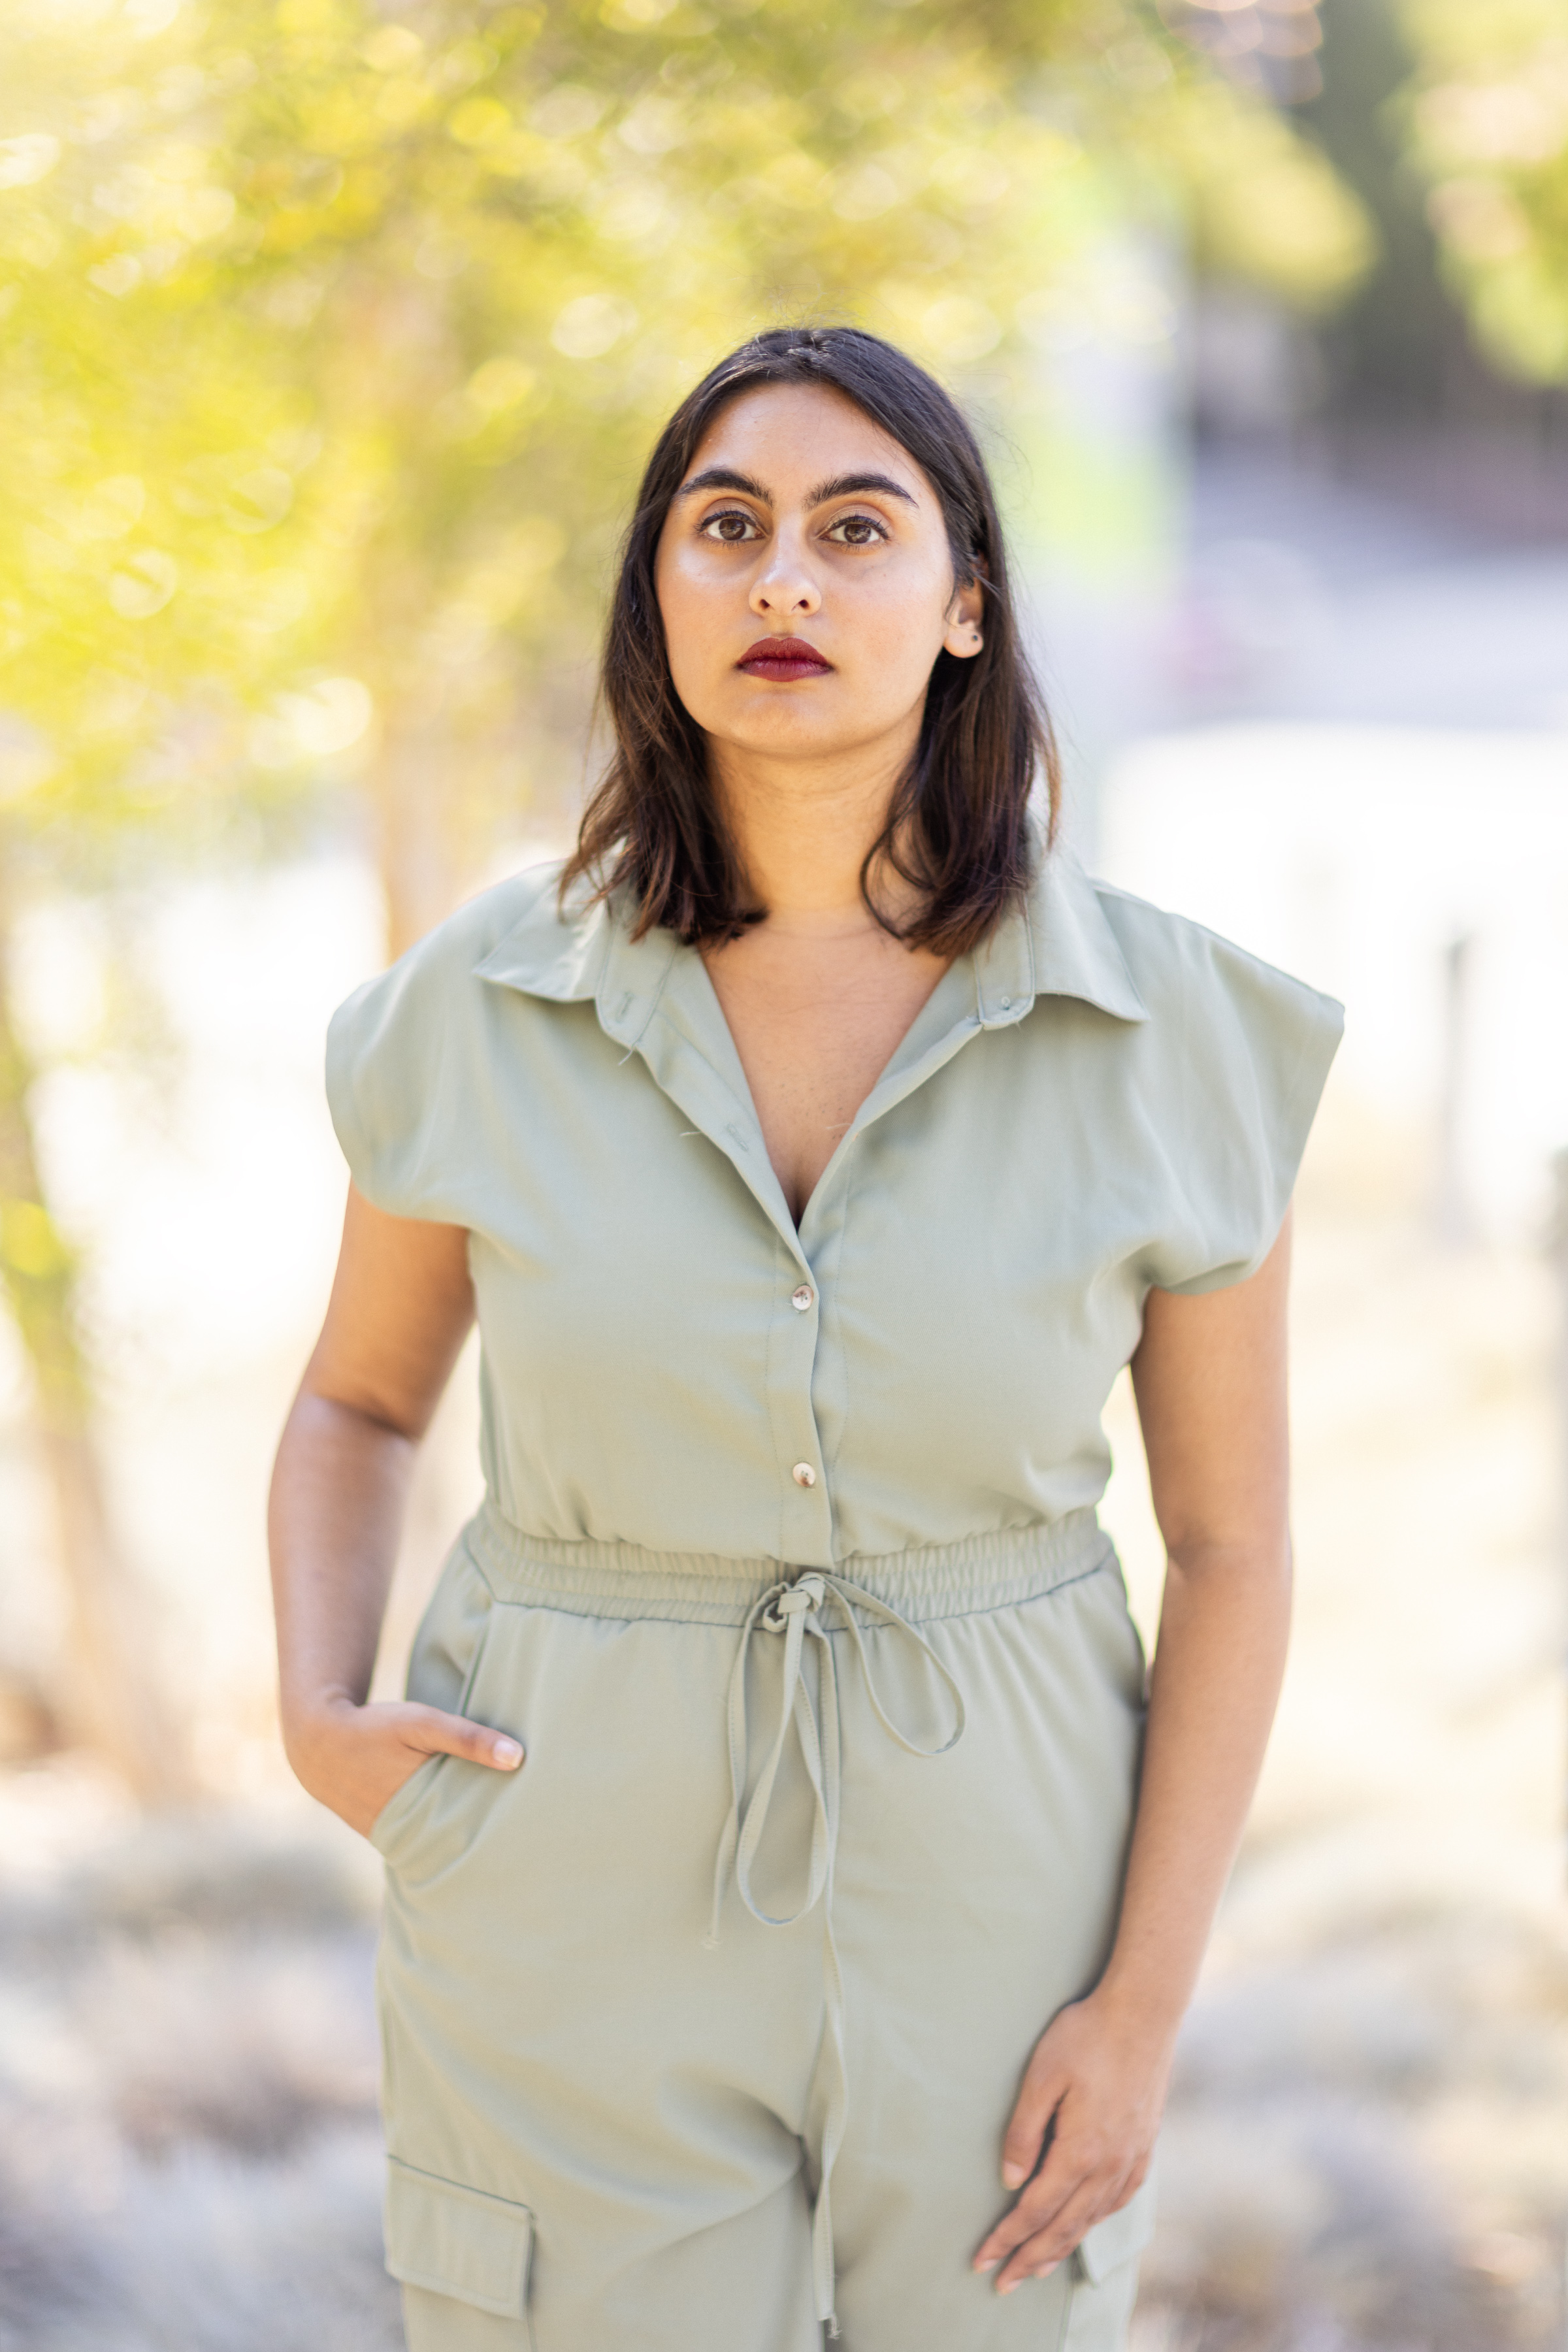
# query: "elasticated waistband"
622,1580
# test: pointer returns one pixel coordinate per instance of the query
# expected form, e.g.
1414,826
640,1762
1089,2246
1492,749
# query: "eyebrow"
723,477
847,486
842,486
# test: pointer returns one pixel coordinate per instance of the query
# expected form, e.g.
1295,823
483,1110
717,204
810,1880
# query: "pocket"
448,1652
457,2241
401,1806
1104,2274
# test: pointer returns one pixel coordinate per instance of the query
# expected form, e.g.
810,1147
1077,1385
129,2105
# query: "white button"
1006,1005
804,1475
801,1299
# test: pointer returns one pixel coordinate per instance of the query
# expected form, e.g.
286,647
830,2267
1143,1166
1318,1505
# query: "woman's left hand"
1097,2083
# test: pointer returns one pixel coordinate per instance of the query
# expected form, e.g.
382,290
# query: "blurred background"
335,333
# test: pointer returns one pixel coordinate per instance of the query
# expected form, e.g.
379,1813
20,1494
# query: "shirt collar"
1058,943
548,952
1076,953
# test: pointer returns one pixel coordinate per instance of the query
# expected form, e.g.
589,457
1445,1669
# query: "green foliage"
1486,123
1270,207
337,333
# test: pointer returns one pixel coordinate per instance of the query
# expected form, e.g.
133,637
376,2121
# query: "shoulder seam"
1204,931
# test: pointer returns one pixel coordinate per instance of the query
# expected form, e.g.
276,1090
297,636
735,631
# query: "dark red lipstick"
783,659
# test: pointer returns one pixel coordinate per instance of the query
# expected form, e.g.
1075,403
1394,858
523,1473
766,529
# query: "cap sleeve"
1242,1078
391,1051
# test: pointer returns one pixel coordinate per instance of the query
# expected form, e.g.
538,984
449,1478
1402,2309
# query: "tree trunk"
112,1698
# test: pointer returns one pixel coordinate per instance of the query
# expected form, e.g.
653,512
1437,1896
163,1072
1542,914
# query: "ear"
965,633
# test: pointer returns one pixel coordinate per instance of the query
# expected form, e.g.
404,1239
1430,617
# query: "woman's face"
805,581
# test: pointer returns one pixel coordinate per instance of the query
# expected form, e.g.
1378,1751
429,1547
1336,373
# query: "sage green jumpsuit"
703,2029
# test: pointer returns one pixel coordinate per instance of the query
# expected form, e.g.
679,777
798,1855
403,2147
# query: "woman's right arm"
400,1311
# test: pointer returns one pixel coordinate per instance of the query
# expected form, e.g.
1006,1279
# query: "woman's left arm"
1209,1378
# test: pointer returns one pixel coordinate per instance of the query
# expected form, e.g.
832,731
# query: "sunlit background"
334,334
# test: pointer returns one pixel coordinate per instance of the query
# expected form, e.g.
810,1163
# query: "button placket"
807,1527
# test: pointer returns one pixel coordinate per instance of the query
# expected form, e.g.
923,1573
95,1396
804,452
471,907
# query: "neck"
803,834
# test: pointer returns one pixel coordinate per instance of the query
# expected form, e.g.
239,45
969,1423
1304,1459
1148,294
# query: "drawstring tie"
795,1611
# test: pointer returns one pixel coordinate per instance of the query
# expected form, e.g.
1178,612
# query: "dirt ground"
1366,2145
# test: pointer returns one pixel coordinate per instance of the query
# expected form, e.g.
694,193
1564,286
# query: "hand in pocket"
354,1760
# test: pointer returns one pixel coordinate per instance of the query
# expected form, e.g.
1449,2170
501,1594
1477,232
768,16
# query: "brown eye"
731,528
857,530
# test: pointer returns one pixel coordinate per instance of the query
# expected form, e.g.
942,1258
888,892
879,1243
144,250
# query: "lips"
783,659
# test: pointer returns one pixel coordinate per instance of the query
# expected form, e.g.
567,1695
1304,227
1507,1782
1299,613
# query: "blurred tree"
338,330
110,1694
1388,345
363,318
1486,122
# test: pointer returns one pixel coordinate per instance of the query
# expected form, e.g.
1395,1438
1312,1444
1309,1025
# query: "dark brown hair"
957,828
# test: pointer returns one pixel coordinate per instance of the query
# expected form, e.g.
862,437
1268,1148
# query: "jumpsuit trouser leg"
609,2133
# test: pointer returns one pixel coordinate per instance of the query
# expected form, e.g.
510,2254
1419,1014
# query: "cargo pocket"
1104,2273
459,2243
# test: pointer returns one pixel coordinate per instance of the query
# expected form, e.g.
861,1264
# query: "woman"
768,1862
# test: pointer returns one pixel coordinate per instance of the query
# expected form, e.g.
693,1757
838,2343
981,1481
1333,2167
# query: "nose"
784,588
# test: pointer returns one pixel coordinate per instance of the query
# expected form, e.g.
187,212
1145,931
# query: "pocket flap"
457,2241
1119,2237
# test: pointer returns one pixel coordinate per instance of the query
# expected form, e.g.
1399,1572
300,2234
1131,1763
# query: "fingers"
437,1734
1075,2188
1046,2196
1048,2222
1043,2084
1040,2255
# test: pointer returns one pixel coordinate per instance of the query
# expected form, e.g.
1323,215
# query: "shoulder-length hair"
958,829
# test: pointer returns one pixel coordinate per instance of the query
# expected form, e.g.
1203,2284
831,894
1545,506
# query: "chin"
792,731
